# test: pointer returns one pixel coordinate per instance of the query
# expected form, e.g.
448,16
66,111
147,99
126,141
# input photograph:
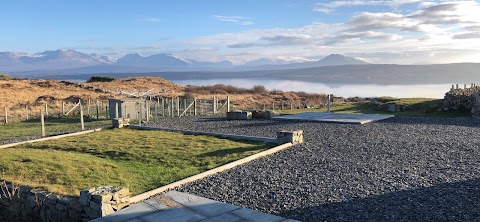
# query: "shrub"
259,89
101,79
4,76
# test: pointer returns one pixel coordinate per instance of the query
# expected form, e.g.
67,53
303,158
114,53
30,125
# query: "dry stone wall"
461,99
22,203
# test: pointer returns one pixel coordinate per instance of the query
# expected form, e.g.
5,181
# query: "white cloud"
239,20
150,19
330,7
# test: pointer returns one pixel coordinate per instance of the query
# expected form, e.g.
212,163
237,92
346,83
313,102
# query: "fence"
157,107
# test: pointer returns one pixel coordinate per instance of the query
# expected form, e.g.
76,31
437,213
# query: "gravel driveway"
401,169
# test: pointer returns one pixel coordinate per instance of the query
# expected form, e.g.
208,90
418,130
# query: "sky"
377,31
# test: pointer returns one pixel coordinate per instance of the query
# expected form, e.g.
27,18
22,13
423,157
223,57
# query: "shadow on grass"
237,150
459,201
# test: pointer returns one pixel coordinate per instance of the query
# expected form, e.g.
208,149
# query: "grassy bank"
139,160
32,128
415,107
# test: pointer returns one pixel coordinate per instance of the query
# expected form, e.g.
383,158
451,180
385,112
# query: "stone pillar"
294,137
476,106
102,201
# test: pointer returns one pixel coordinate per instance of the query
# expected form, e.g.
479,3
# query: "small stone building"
131,108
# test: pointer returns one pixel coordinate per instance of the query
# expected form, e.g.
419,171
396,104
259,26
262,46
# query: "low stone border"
227,166
221,135
50,138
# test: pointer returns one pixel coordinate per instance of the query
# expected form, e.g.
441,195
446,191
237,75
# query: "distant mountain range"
74,62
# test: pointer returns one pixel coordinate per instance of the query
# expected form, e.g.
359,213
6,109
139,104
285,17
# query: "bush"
259,89
4,76
101,79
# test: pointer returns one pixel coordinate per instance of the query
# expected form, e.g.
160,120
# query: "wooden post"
107,114
291,105
88,107
214,106
42,122
46,110
163,107
124,112
282,105
6,115
147,105
264,106
184,104
63,107
195,106
26,110
178,106
328,103
273,106
172,107
228,103
156,107
97,108
116,110
81,117
139,113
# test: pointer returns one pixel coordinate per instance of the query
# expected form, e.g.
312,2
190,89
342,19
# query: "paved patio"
351,118
178,206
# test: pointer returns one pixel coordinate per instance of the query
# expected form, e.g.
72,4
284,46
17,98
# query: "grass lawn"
420,107
139,160
32,128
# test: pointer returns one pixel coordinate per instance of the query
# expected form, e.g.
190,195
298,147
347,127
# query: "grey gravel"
401,169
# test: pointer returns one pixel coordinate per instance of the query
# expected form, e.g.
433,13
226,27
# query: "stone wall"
461,99
22,203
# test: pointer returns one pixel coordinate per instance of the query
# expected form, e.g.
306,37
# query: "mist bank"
379,74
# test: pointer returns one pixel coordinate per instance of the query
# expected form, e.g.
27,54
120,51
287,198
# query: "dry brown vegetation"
16,93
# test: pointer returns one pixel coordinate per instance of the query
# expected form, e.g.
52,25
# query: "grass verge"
415,107
53,126
139,160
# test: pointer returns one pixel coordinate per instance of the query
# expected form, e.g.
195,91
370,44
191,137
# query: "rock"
239,115
392,108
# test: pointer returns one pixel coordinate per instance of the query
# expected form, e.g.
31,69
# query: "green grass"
418,107
32,128
139,160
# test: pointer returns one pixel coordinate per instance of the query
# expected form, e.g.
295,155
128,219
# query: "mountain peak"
338,59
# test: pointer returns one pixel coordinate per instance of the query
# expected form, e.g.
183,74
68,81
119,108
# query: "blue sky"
379,31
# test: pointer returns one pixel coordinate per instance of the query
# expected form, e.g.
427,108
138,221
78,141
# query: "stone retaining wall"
461,99
22,203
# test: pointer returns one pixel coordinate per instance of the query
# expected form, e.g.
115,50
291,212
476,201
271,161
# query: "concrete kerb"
220,135
50,138
148,194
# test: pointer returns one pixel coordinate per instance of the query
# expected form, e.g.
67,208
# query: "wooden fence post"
157,104
81,117
42,122
88,107
214,106
26,110
116,110
147,107
195,106
273,106
178,106
163,107
6,115
97,108
46,109
228,103
184,104
63,107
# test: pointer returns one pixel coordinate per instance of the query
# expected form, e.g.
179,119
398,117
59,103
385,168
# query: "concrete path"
336,117
177,206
